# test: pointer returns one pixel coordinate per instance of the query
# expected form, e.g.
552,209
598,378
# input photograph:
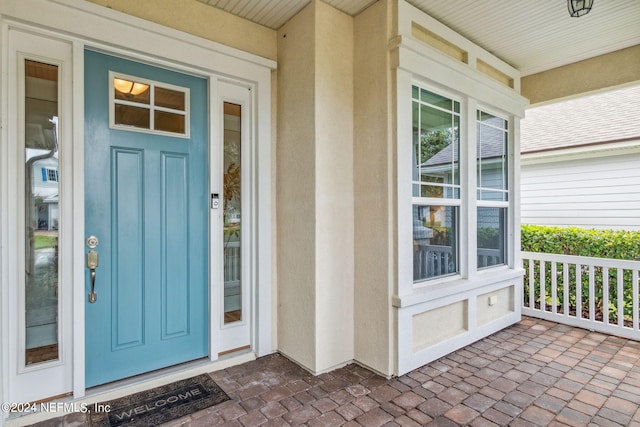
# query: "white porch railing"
593,293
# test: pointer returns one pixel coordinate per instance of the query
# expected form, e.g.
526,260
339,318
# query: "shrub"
614,244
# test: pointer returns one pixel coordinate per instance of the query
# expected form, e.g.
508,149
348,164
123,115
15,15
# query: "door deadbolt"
92,242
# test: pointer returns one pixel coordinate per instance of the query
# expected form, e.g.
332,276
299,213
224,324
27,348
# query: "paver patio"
534,373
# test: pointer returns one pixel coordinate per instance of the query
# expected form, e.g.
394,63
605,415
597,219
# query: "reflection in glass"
149,106
41,212
492,169
131,91
168,98
435,247
436,145
132,116
492,235
492,157
169,122
231,213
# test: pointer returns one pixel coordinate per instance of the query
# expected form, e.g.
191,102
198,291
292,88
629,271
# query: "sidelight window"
41,191
231,213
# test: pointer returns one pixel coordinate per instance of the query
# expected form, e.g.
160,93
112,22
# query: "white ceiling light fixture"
577,8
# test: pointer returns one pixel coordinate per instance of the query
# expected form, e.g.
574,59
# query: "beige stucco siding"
373,194
438,325
199,19
315,188
295,183
613,69
334,186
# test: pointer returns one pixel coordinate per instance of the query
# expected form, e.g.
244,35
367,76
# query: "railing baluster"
634,286
554,287
565,289
578,291
620,301
543,286
445,264
605,295
592,292
531,284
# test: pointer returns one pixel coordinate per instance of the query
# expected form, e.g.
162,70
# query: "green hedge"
581,242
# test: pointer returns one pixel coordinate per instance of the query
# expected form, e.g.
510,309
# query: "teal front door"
146,204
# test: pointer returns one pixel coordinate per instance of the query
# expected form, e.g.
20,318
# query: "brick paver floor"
534,373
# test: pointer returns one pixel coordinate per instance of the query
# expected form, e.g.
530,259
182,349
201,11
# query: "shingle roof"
593,119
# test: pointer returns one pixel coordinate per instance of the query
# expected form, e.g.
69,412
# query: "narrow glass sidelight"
231,213
41,212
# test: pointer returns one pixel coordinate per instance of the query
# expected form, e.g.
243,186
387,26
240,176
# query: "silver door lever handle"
92,264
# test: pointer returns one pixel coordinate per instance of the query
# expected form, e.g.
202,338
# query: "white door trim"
83,24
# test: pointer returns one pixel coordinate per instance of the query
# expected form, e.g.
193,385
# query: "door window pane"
151,107
128,115
231,213
41,212
168,98
435,241
169,122
129,90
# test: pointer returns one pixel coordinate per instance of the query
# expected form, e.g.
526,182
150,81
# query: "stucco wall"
373,195
495,305
616,68
315,187
197,18
295,183
334,186
432,327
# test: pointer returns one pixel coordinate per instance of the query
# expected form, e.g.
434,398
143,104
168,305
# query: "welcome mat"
158,405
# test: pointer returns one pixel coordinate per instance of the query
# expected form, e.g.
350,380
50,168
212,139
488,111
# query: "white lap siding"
598,192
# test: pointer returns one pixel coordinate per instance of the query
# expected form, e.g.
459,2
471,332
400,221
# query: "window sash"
436,129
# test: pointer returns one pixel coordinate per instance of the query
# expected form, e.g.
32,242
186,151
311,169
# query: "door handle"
92,264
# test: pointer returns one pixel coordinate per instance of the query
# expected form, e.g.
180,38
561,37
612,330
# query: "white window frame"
415,62
460,187
506,183
52,174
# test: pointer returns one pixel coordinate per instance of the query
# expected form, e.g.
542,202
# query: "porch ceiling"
531,36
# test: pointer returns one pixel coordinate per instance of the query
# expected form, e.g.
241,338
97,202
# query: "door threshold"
132,385
234,350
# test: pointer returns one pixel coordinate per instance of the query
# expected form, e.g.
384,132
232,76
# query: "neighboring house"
45,189
580,162
227,190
